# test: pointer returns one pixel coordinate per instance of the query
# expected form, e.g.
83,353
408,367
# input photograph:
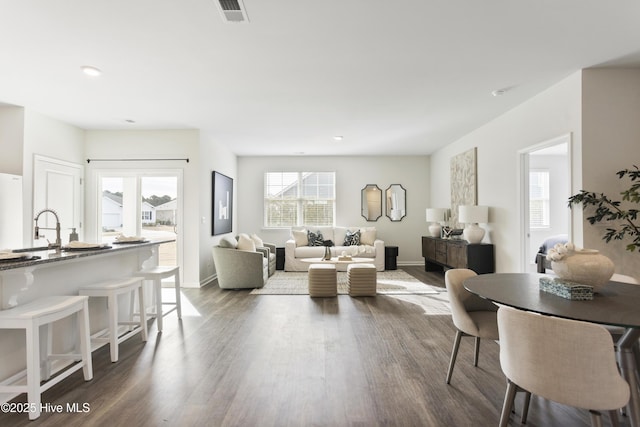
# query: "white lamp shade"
468,214
436,214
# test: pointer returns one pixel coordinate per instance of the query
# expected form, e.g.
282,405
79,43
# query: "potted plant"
606,209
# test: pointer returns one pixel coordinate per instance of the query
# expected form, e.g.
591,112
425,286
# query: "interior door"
544,211
58,186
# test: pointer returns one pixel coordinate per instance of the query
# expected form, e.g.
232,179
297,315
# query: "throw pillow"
245,243
352,238
257,240
228,242
300,236
315,239
368,236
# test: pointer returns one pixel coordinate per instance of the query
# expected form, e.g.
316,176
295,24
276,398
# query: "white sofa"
297,247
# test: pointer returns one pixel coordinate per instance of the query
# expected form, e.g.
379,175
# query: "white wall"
554,112
611,126
213,157
352,174
51,138
11,139
152,144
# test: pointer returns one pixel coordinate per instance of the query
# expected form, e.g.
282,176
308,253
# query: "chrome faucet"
58,244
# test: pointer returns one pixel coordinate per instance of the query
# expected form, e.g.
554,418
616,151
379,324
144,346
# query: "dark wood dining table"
616,304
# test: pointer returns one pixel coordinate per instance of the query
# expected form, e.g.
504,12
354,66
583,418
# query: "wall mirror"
371,204
396,197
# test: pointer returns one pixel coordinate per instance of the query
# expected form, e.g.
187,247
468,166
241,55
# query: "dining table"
616,304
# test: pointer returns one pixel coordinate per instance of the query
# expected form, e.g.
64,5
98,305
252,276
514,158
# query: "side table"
279,258
390,255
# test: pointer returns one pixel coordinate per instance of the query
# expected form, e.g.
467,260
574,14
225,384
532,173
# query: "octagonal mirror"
371,202
396,197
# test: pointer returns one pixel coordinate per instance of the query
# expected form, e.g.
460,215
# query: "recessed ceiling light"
500,92
338,137
91,71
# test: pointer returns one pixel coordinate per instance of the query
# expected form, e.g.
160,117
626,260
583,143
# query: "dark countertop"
49,256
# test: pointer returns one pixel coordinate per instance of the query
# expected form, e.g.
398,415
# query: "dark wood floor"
275,360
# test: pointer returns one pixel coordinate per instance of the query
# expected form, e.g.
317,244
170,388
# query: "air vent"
233,10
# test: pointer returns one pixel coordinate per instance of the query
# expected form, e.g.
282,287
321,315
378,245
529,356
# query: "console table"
448,253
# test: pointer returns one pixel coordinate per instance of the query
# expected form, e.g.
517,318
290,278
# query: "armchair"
237,269
269,252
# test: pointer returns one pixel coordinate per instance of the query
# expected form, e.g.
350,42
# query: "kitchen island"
46,273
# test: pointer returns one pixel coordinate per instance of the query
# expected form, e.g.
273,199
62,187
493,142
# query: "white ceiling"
393,77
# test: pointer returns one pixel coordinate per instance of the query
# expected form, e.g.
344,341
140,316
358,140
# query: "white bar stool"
111,290
156,274
30,317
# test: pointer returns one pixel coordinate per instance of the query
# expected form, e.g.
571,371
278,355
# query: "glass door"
140,204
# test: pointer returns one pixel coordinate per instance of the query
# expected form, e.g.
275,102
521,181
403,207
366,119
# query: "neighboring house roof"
112,197
169,206
148,206
118,199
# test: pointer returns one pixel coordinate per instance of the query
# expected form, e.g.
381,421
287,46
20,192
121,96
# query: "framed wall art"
222,204
463,182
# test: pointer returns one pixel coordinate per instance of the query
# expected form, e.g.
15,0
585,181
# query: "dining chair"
471,315
566,361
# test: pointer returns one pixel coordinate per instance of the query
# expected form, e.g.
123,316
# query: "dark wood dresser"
447,253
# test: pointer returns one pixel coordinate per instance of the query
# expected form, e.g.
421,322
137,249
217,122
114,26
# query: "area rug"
393,282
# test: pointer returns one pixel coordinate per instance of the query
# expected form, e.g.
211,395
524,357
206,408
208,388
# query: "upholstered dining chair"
566,361
471,315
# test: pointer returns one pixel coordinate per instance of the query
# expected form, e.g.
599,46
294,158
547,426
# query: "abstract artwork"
222,201
463,182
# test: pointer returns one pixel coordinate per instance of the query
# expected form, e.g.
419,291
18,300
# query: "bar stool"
30,317
111,290
156,274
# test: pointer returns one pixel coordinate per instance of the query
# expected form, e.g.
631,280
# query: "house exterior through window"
299,198
539,210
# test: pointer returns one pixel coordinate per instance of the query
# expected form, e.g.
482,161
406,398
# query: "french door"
141,203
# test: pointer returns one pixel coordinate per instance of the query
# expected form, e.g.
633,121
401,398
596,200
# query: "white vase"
435,230
585,266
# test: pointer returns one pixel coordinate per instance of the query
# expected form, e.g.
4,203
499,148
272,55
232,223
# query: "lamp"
471,216
436,216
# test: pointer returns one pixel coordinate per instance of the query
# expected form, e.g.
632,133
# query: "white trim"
523,189
140,172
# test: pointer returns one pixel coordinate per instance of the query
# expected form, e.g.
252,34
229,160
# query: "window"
299,198
539,199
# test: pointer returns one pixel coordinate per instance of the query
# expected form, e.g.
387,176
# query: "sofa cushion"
257,240
352,238
367,235
245,243
228,242
339,233
300,237
318,251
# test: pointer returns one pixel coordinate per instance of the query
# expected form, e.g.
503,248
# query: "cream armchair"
237,268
